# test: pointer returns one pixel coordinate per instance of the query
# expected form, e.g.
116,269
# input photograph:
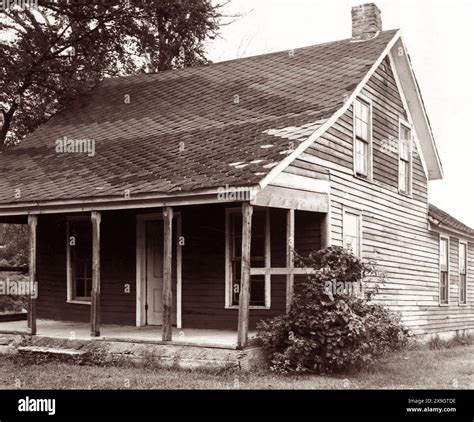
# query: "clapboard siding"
204,265
395,231
117,270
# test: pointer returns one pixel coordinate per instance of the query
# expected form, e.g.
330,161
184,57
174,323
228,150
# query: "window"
404,161
462,273
259,258
362,137
351,232
443,267
79,254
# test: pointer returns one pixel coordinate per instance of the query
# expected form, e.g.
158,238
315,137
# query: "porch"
212,338
186,272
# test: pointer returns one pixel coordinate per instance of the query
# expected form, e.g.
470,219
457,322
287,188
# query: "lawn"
424,369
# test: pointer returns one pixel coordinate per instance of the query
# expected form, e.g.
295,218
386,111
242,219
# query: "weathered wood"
32,223
281,271
326,230
244,294
280,197
290,257
167,334
95,294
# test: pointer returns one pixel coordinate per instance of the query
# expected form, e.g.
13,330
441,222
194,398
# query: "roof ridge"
239,59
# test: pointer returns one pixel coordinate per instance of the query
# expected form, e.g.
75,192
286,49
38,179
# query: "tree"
54,52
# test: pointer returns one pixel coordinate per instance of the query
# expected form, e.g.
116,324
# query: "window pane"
80,247
361,158
365,131
444,286
358,109
351,232
358,128
405,133
365,113
404,177
443,254
405,149
462,288
462,258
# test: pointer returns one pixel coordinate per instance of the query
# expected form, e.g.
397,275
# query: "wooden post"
290,257
244,294
167,331
326,229
95,294
32,223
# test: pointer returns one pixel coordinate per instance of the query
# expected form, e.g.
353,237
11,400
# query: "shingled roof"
443,219
187,130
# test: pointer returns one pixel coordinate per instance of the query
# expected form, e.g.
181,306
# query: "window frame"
228,260
71,298
441,239
368,102
407,125
358,213
466,251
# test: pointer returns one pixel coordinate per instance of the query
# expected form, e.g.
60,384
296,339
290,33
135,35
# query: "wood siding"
203,267
394,227
117,272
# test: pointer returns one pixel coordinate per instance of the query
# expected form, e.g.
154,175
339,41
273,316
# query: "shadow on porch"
109,332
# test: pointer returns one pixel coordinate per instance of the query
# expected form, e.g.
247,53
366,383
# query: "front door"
154,272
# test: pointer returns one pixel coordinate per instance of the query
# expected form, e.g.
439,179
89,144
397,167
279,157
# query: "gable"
412,108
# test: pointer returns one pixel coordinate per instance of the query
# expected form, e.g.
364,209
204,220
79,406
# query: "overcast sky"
439,38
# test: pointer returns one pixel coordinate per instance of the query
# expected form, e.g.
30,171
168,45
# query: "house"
175,200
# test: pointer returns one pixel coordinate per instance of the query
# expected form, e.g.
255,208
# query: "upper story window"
362,137
259,258
404,160
462,273
443,268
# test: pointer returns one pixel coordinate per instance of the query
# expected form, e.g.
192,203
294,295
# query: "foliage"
329,329
51,54
436,343
13,244
13,304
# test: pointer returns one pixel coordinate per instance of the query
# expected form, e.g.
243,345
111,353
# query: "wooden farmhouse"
172,203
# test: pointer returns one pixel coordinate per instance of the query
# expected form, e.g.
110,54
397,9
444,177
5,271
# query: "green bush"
333,325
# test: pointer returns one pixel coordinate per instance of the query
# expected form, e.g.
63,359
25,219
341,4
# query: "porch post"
167,331
290,257
32,223
326,229
95,294
244,294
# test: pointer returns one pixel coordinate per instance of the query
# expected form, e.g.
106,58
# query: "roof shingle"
184,130
448,220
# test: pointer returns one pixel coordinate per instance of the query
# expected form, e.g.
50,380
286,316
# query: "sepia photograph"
236,196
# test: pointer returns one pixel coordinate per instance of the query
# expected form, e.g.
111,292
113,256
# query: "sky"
439,38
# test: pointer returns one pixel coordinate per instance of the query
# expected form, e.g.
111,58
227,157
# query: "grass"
423,369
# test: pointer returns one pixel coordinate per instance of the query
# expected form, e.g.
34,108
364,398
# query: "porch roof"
187,130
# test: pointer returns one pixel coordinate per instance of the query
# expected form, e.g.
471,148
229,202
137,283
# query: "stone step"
51,351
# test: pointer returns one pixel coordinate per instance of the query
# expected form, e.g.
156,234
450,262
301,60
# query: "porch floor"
81,331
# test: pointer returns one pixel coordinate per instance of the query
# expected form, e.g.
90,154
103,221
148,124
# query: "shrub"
329,328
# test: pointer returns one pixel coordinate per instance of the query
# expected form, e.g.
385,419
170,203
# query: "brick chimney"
366,21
